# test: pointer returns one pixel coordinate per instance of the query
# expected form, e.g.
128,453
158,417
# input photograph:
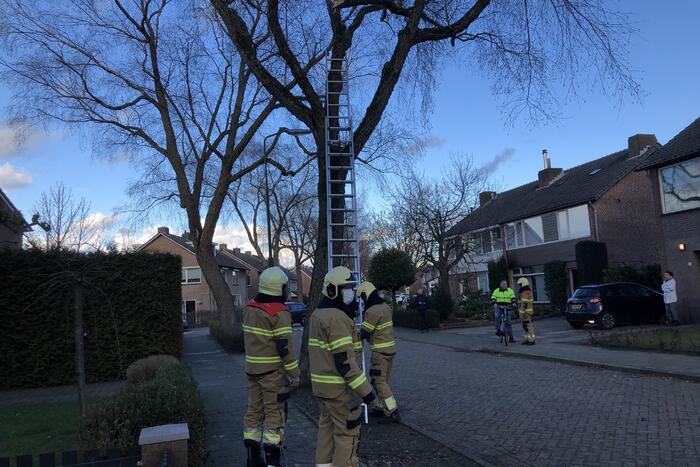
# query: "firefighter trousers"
380,372
526,319
266,415
339,431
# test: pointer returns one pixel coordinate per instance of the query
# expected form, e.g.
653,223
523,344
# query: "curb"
623,368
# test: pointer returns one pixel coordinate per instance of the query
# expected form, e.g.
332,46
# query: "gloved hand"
369,398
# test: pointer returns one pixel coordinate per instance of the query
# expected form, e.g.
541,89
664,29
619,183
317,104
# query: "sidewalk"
225,392
556,341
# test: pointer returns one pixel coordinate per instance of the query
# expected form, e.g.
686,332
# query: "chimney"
485,197
249,253
637,144
163,230
237,251
545,176
186,236
545,159
222,247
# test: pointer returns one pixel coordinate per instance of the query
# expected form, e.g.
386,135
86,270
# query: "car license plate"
576,306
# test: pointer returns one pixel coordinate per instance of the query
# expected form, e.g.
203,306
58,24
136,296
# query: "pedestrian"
378,329
421,303
271,368
503,299
525,308
670,299
337,381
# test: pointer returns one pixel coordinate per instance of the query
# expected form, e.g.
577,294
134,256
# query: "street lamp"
276,135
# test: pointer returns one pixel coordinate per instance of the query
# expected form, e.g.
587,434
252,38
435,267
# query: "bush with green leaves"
145,369
591,260
647,274
441,301
132,310
498,270
555,283
171,396
391,269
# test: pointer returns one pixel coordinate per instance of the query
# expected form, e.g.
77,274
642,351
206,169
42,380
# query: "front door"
190,311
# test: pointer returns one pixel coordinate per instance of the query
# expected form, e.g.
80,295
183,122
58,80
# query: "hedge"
648,275
170,397
592,260
132,310
555,281
411,319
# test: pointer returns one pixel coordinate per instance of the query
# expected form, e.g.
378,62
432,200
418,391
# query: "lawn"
685,339
40,428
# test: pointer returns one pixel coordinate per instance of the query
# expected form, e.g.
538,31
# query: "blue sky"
466,119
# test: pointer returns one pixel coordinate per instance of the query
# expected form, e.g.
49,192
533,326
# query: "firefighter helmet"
366,289
272,281
336,279
522,282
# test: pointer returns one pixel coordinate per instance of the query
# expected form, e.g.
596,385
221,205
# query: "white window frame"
476,235
568,224
236,299
187,279
530,276
234,274
664,209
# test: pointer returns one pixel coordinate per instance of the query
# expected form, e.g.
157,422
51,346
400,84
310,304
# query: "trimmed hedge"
411,319
647,274
592,260
132,310
555,281
170,397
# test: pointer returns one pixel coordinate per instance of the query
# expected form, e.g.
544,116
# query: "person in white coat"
670,298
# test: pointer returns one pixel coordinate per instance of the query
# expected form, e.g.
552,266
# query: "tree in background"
591,261
391,269
498,270
555,283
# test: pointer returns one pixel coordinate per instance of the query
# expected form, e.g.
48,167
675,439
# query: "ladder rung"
338,167
343,256
343,225
338,195
342,209
342,181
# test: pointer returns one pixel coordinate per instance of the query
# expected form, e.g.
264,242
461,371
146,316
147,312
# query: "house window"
486,241
549,227
680,186
559,225
496,241
533,231
482,281
579,222
535,275
234,277
191,275
247,278
236,300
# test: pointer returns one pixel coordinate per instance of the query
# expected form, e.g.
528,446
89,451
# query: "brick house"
604,200
12,224
305,279
197,298
255,266
674,174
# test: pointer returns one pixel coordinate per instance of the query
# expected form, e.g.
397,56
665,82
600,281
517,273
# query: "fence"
92,458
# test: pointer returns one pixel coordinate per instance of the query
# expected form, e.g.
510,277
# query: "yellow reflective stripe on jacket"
292,365
318,343
368,326
259,331
503,296
340,342
251,359
355,383
383,345
282,331
326,379
357,345
385,325
252,434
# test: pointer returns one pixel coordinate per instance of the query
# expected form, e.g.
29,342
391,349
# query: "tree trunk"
300,279
222,294
444,272
79,335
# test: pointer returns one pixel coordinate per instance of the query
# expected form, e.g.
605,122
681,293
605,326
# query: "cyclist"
503,299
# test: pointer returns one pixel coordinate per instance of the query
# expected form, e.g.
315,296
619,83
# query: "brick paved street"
514,411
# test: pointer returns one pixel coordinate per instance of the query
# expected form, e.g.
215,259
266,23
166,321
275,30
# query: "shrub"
170,397
441,301
648,274
411,318
592,260
390,269
132,310
145,369
498,270
223,331
555,281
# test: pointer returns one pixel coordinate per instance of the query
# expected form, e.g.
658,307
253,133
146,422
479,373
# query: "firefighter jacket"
525,302
503,297
378,327
332,354
267,333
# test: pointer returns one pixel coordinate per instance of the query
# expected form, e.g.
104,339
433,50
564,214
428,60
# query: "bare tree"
156,80
432,207
393,229
72,226
299,233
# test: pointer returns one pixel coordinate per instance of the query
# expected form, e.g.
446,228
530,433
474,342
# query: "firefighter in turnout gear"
525,301
378,329
337,380
271,368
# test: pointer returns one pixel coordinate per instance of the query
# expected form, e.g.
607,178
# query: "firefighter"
271,368
503,297
336,378
525,301
378,329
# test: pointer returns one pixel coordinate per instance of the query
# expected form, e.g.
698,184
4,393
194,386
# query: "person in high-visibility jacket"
378,329
337,380
271,368
525,301
503,298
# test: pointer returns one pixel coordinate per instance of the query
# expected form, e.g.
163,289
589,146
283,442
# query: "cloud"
12,178
14,140
101,221
500,158
421,145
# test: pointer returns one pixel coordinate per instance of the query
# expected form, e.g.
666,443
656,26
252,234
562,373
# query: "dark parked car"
608,305
298,311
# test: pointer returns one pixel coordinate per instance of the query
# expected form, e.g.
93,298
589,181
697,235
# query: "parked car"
401,298
607,305
298,312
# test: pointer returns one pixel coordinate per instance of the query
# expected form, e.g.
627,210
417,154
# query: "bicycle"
505,309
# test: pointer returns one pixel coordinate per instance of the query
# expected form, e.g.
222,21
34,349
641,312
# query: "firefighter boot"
273,455
254,457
